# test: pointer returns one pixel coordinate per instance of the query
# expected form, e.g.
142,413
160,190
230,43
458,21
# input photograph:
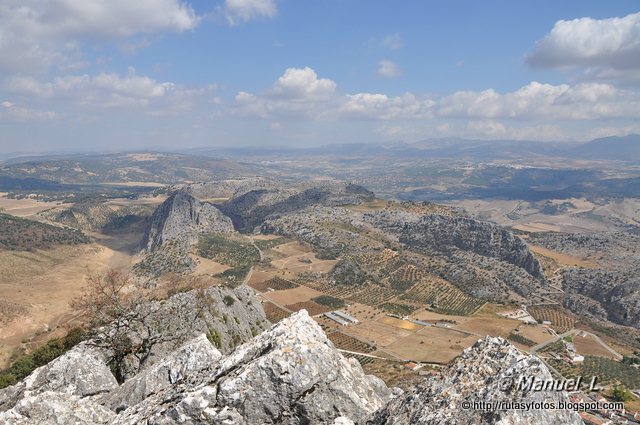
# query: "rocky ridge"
489,371
289,374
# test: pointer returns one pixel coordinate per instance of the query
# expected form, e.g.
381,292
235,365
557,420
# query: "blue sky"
101,75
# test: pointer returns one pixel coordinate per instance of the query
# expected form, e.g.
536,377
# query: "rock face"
253,208
81,371
290,374
189,360
442,233
182,218
487,372
604,294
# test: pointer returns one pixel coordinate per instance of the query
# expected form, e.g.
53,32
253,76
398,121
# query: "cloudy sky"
97,74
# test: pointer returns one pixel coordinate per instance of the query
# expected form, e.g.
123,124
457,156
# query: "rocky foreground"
289,374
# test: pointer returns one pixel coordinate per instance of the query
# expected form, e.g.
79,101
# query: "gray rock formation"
55,408
604,294
488,372
251,209
290,374
81,371
442,233
182,218
188,360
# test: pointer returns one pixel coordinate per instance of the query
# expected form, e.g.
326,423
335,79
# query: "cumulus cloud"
297,92
239,11
585,101
612,43
383,107
39,33
302,84
388,69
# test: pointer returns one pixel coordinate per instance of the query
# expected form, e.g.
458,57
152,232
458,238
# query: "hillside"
19,234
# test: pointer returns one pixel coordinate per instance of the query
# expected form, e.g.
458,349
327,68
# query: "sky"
170,74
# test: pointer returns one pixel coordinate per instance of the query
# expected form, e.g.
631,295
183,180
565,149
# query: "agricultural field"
26,207
588,346
398,308
520,339
431,344
275,283
274,313
329,301
349,343
291,296
234,252
561,321
442,297
312,307
606,370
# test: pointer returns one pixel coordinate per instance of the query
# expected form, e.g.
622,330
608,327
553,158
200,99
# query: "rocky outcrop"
443,233
55,408
488,372
290,374
81,371
181,218
604,294
251,209
189,360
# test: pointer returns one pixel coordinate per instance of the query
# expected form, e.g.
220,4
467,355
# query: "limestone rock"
182,218
55,408
188,360
487,372
80,371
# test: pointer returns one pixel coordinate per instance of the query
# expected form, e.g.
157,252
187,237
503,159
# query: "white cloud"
106,91
302,84
388,69
299,92
239,11
392,42
584,101
612,43
39,33
296,93
383,107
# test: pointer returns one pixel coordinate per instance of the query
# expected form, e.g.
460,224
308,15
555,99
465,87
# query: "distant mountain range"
625,148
